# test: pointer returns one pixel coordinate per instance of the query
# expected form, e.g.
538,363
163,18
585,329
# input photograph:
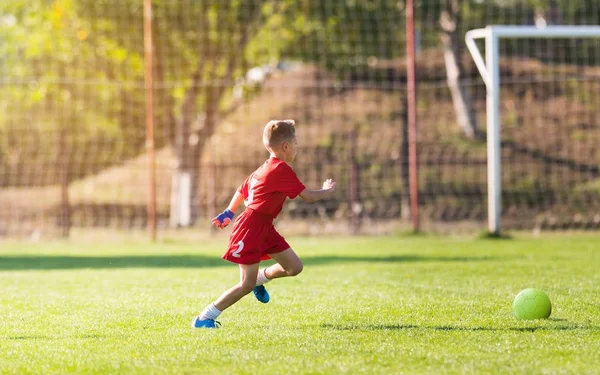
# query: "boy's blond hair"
278,131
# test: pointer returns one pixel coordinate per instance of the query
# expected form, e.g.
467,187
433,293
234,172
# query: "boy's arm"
311,196
237,199
225,217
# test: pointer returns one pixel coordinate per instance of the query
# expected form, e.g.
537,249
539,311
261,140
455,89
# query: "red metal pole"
149,86
412,113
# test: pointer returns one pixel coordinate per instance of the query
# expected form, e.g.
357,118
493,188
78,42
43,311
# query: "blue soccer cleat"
205,323
261,294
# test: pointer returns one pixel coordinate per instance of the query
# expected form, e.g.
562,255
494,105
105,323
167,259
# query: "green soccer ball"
532,304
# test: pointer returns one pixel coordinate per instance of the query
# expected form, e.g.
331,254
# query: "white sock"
210,312
262,277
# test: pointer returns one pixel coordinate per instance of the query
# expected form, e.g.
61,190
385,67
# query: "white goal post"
490,72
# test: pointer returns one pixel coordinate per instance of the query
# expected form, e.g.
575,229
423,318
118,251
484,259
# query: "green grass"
413,304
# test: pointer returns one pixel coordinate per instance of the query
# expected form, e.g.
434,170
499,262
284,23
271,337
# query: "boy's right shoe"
205,323
261,294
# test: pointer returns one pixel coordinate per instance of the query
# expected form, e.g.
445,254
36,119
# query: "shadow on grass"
58,337
401,327
48,262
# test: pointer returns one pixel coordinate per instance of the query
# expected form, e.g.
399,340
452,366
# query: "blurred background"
73,113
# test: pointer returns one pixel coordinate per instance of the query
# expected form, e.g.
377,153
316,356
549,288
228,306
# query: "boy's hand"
223,219
329,184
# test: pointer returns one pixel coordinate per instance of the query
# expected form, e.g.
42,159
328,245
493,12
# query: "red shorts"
253,238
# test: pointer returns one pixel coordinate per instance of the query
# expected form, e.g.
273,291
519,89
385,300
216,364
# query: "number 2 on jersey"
239,249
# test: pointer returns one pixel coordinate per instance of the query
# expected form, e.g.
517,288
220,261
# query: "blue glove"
223,219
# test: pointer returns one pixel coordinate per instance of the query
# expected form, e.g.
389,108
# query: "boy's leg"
288,264
248,274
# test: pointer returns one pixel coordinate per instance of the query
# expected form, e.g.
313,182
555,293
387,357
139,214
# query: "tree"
223,36
450,18
201,49
57,47
66,73
51,114
245,33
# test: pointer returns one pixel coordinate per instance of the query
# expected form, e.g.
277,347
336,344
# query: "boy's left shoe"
261,294
205,323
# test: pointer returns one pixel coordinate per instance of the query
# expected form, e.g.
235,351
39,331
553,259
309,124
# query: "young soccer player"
254,237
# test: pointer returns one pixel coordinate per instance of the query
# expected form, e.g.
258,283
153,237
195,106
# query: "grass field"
362,305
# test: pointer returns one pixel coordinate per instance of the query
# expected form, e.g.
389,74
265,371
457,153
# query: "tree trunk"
191,134
181,197
463,105
191,138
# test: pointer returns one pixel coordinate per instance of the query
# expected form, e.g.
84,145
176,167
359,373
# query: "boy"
253,237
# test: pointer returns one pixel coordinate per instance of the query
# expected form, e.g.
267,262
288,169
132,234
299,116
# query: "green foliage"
67,73
51,52
78,65
345,36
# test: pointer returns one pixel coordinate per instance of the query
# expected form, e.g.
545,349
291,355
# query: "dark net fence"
72,123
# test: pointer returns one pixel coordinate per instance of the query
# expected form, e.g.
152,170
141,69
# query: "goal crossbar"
490,72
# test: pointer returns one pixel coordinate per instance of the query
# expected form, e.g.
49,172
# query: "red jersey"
266,189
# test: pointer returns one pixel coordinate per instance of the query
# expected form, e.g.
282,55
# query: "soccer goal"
490,72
